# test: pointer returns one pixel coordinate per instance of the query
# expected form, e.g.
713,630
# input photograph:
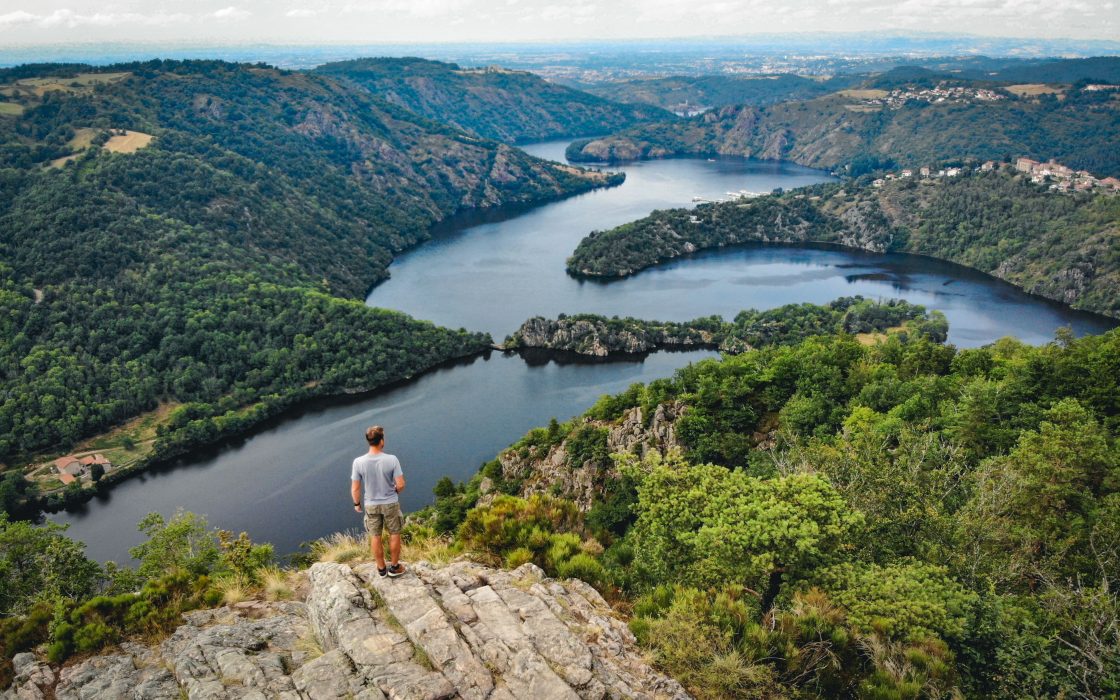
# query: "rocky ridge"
551,470
456,631
598,336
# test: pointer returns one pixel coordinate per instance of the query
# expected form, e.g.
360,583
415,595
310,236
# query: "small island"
598,336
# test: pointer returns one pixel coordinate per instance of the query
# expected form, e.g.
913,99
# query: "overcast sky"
375,21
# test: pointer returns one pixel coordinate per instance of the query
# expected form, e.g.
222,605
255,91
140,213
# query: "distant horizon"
315,22
724,53
679,39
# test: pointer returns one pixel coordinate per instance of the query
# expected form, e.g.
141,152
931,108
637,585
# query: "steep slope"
859,130
456,631
200,233
1063,246
683,93
495,103
973,496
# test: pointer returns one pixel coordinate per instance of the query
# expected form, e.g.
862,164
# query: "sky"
24,22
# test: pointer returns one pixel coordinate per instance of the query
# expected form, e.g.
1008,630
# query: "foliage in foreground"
900,520
52,594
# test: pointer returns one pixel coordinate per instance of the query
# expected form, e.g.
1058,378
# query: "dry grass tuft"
425,546
233,589
342,548
276,584
309,644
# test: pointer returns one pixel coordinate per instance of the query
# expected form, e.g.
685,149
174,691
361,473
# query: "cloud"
70,19
12,19
418,9
301,12
231,12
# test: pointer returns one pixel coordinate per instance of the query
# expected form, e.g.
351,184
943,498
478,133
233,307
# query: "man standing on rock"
381,475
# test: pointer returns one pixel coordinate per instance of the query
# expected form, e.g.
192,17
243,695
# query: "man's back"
378,474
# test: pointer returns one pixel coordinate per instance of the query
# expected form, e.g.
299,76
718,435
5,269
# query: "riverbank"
1051,244
180,427
178,431
286,480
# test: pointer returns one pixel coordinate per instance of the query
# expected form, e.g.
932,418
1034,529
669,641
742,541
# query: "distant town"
942,94
1060,178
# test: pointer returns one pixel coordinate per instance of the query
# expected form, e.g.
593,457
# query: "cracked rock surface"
456,631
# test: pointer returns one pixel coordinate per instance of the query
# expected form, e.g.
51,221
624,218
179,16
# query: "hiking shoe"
381,573
396,570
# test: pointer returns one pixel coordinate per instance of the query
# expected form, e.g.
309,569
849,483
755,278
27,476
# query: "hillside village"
1060,178
942,94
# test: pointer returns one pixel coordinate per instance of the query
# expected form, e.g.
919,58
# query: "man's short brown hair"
375,435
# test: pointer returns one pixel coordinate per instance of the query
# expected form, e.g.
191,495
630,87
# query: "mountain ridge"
506,105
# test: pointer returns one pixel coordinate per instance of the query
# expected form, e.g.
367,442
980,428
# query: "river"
287,482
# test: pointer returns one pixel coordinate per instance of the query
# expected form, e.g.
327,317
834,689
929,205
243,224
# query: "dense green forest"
896,520
684,92
1058,245
844,131
220,267
819,518
591,334
491,102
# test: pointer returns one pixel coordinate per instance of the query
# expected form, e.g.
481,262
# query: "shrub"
584,567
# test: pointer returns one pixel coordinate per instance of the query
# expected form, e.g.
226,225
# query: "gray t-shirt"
378,474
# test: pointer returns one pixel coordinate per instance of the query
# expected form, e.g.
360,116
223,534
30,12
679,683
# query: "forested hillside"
832,519
855,131
1064,246
683,93
494,103
218,267
599,336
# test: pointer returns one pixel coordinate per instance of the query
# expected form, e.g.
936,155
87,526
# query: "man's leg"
375,523
394,548
379,550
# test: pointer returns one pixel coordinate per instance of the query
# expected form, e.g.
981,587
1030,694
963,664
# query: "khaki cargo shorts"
387,515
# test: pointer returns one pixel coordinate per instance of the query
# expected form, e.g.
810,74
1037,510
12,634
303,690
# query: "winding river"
287,482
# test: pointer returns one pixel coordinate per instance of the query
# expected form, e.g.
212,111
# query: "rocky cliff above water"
456,631
598,336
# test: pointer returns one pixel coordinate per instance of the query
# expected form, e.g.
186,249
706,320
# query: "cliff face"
597,336
583,481
457,631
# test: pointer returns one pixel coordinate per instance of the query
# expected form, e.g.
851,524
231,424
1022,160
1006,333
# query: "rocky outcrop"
553,472
598,336
865,227
457,631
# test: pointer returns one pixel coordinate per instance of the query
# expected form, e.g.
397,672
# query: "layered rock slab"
456,631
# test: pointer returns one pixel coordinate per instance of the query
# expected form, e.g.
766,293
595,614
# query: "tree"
41,563
184,542
1035,507
706,526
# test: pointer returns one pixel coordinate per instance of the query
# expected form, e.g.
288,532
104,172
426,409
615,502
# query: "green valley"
219,265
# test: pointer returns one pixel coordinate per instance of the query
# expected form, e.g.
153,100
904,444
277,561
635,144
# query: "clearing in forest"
127,141
1032,89
864,94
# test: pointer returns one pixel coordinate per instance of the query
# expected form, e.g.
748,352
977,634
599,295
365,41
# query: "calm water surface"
287,483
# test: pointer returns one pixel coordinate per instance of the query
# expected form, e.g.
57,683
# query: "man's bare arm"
356,494
400,484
